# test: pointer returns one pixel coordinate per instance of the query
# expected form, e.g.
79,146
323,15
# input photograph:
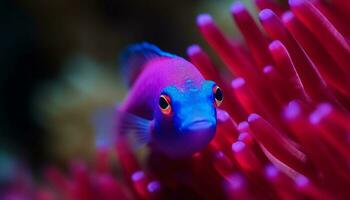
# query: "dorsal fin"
134,57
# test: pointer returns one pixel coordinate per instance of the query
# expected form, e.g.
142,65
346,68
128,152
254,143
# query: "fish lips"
198,133
200,126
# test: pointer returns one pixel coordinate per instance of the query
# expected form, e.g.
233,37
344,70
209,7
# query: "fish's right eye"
164,104
218,95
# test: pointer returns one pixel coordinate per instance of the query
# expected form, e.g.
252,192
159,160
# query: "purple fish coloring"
170,106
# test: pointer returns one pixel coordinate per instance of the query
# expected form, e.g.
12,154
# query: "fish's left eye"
218,95
164,104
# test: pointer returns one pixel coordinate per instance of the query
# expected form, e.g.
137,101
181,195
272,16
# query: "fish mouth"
199,126
192,137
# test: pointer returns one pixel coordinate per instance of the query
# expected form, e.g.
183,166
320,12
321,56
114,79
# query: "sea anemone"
286,133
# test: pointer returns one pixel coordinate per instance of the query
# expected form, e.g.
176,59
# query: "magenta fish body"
170,106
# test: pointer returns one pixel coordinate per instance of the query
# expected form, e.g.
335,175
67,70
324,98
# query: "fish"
169,106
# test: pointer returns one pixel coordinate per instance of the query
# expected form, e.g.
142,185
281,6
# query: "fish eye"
218,95
164,104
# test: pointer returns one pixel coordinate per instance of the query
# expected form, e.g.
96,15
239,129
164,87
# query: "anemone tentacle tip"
271,171
237,7
265,14
137,175
238,82
253,117
292,110
321,111
267,69
287,16
153,186
242,125
193,49
236,181
301,181
238,146
204,19
294,3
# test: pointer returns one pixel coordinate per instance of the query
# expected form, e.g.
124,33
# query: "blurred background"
59,66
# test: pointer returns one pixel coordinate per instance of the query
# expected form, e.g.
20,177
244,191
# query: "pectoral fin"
134,127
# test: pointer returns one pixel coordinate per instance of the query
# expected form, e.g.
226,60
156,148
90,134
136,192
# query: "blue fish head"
190,123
